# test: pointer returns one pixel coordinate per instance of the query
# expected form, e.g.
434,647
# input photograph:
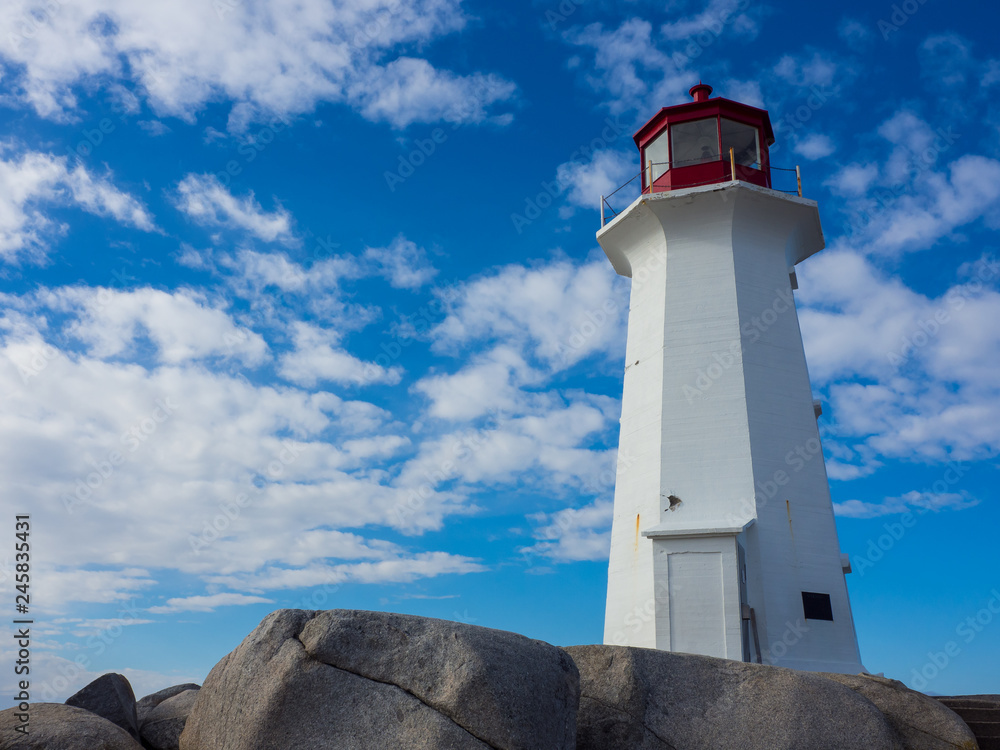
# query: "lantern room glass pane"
743,140
695,142
657,153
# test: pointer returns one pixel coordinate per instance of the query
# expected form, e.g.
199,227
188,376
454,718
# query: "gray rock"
110,696
55,726
644,699
359,680
164,723
922,722
146,704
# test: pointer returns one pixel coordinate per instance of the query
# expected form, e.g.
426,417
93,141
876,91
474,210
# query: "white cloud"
639,68
403,264
818,70
208,201
402,570
546,442
31,180
180,325
207,603
717,16
815,146
409,90
267,59
908,376
940,202
559,313
58,586
57,677
605,172
853,179
854,32
491,382
911,502
235,478
624,58
319,357
574,534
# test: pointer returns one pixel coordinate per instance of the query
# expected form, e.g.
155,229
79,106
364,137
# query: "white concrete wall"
716,403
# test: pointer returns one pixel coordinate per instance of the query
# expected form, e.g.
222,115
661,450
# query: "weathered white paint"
717,411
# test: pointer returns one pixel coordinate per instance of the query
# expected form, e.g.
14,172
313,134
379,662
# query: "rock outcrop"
56,726
110,696
356,680
162,727
350,679
981,713
921,722
151,701
643,699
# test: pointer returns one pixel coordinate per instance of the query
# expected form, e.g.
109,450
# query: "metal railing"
732,167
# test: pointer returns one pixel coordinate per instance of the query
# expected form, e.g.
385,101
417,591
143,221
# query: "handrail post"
732,164
602,210
798,179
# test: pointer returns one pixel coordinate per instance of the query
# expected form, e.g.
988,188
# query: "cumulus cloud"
402,264
207,603
209,202
559,313
815,146
911,502
266,59
908,375
573,534
602,174
318,356
716,16
181,325
235,478
30,181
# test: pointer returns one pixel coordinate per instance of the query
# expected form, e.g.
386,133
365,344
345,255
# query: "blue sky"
302,307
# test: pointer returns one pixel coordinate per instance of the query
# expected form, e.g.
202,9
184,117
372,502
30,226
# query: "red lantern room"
703,142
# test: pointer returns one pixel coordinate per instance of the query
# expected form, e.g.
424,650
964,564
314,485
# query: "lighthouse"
723,540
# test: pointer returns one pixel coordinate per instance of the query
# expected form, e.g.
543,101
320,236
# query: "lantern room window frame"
671,175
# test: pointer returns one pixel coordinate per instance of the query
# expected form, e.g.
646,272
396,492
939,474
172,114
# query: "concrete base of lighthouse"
723,538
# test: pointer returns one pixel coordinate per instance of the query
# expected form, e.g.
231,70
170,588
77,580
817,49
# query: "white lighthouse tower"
723,540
